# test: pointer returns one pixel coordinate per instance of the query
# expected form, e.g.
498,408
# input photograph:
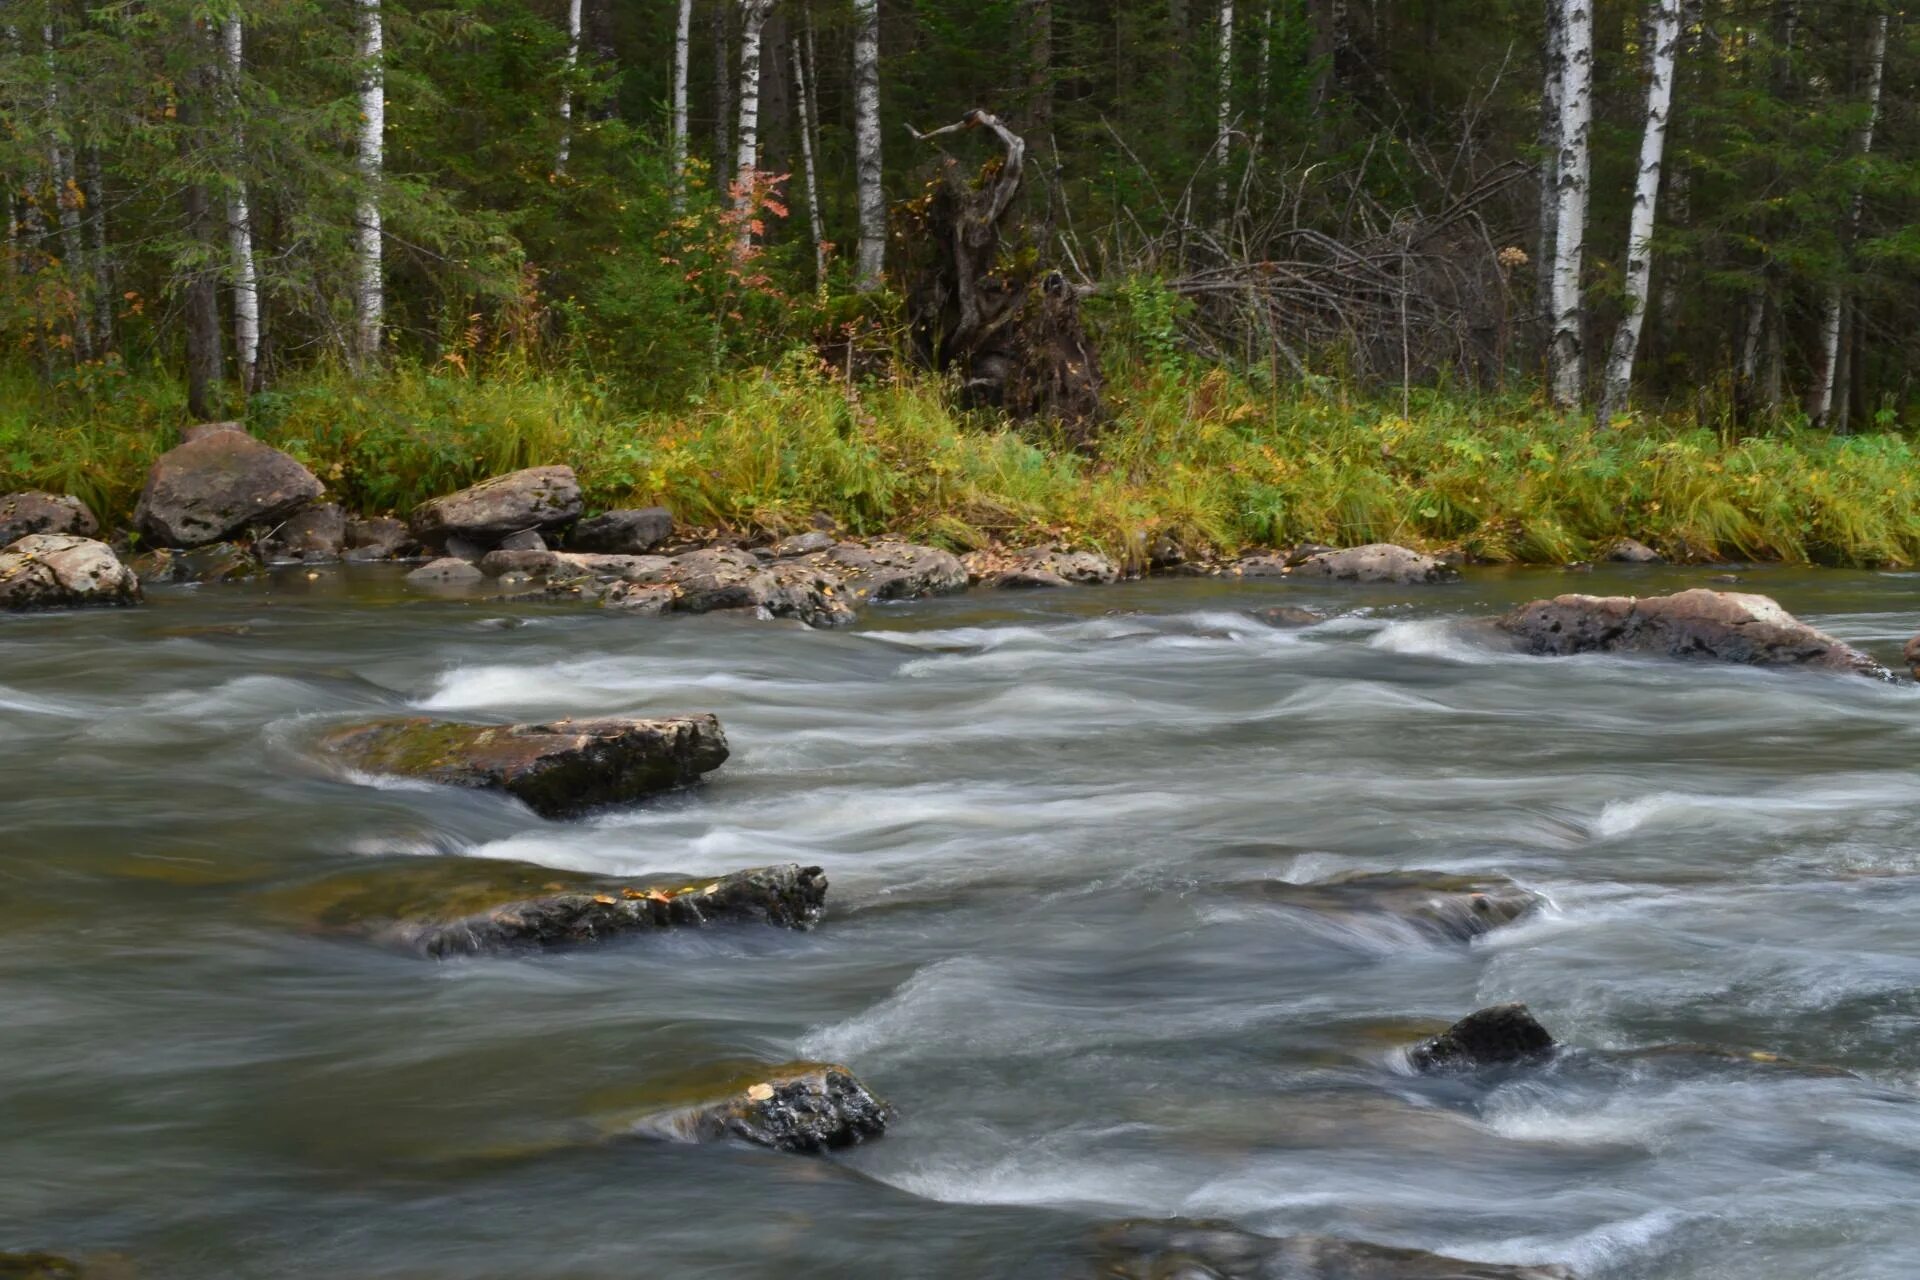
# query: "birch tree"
870,262
753,19
1570,217
246,285
1835,306
369,294
682,48
1223,108
569,65
1664,40
1551,91
803,89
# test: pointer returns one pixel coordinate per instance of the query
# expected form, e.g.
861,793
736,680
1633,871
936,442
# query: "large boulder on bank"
216,486
32,511
469,906
895,570
629,532
1378,562
808,1107
1188,1249
59,571
538,498
556,769
1454,908
1502,1035
315,534
1725,626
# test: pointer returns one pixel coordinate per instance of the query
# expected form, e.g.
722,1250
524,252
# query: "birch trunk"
1837,294
1665,41
753,17
871,261
1223,108
1551,90
682,49
369,295
246,285
1570,218
568,67
803,88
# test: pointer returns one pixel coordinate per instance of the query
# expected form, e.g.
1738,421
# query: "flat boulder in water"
1722,626
218,484
1378,562
35,512
1187,1249
806,1107
466,906
896,570
559,768
1453,907
536,498
1499,1036
60,571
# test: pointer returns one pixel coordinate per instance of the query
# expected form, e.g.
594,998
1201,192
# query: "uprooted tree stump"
1010,332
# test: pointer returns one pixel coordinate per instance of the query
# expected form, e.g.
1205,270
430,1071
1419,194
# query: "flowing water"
1039,814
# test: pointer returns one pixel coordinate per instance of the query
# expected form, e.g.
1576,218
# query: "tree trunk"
682,49
1664,43
1822,406
100,258
246,285
66,200
1570,219
870,265
722,90
802,85
1222,108
569,65
202,291
1040,69
753,18
369,292
1552,89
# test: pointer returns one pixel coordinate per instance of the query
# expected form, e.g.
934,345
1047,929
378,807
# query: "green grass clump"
1202,456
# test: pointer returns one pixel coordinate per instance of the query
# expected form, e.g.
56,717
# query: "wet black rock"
1723,626
1503,1035
557,769
631,532
806,1107
1188,1249
468,906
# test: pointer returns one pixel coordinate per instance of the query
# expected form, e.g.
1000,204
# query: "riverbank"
1204,461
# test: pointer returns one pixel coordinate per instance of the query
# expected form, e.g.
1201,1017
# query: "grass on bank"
1201,456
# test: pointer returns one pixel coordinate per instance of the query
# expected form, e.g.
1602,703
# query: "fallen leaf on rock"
760,1092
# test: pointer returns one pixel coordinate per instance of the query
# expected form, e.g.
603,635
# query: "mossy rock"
807,1107
556,769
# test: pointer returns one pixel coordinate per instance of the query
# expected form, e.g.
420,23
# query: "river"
1040,814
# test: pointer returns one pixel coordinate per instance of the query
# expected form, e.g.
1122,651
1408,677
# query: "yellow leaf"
760,1092
604,899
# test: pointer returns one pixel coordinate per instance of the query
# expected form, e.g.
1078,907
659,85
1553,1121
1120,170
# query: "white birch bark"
1552,88
870,261
569,65
369,293
1837,294
753,18
1223,108
1664,30
246,285
803,87
1570,218
682,51
1263,84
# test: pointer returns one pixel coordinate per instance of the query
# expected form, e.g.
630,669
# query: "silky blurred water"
1034,810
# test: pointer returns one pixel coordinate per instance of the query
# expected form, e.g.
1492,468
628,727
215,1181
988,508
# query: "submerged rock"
471,906
538,498
629,532
806,1107
218,484
1189,1249
215,562
1288,615
1502,1035
33,511
1725,626
60,571
1381,562
555,769
1454,907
